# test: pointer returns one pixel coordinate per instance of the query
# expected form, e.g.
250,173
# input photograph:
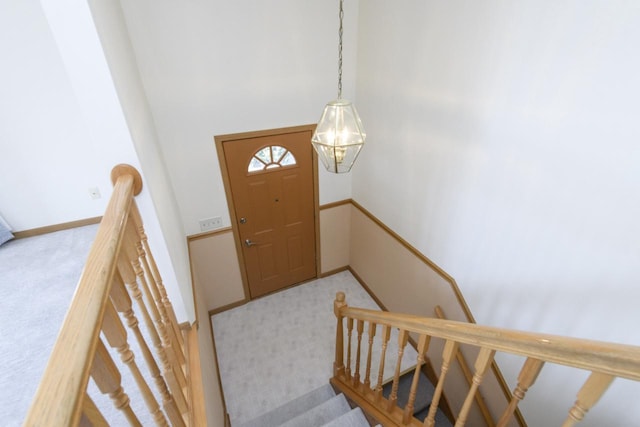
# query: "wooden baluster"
423,345
338,364
588,396
349,331
449,352
174,353
168,310
359,329
172,372
122,302
386,334
372,334
403,337
116,335
483,361
107,377
468,375
91,415
526,378
171,338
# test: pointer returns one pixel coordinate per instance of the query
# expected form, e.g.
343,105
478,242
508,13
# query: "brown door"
271,180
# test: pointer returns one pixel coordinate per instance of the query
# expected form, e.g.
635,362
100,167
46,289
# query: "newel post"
124,169
338,364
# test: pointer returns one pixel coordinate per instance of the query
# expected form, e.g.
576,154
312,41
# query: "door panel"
294,246
291,191
267,261
259,195
275,195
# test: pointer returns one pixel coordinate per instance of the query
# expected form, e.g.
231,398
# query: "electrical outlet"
94,192
210,223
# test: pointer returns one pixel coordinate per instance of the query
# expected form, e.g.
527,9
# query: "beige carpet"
38,276
282,346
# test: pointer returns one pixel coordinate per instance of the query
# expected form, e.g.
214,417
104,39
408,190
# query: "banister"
605,362
466,372
608,358
120,268
59,397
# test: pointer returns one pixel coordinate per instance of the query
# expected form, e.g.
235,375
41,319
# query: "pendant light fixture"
339,135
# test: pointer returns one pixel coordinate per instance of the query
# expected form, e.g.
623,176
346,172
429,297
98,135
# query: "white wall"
62,126
510,137
101,110
110,25
48,154
218,67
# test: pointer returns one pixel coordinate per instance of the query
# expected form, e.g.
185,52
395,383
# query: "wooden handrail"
58,400
119,256
605,361
613,359
464,366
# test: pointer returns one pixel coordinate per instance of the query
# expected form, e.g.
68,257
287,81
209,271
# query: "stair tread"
353,418
424,392
441,418
321,414
292,408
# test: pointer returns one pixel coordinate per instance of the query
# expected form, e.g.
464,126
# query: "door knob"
243,220
249,243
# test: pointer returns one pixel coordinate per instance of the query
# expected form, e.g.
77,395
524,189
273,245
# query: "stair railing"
605,361
120,269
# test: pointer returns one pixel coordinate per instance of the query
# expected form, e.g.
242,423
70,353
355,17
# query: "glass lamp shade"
339,136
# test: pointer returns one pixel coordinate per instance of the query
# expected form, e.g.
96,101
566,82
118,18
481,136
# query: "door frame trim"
219,141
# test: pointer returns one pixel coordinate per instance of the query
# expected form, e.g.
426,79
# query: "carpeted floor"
38,276
280,347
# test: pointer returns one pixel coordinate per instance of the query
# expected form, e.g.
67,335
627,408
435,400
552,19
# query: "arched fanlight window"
273,156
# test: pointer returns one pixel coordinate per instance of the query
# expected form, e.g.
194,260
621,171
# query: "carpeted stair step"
441,418
424,394
353,418
293,408
321,414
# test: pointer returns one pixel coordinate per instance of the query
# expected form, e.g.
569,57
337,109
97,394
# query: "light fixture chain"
340,52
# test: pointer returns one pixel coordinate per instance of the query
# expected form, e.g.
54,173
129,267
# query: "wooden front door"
272,186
